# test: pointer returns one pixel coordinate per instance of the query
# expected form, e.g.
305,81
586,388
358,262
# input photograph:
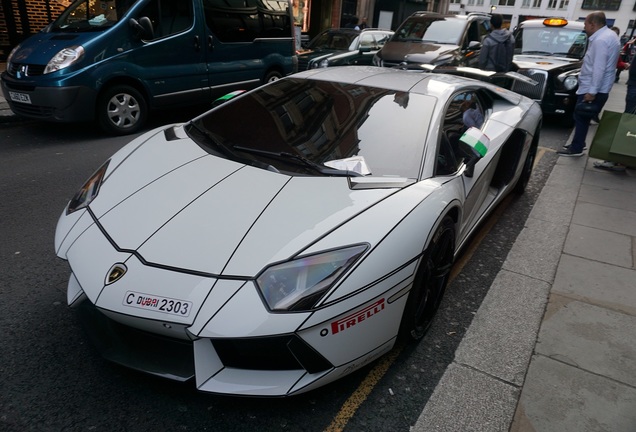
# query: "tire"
430,283
272,76
524,178
121,110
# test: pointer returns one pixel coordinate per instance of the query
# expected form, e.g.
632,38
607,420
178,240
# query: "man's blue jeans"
582,123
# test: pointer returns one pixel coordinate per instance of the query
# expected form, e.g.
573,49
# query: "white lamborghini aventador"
292,234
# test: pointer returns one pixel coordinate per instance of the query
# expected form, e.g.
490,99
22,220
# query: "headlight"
64,58
10,57
89,191
299,284
319,64
570,82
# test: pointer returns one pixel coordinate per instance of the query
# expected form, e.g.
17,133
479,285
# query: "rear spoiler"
470,72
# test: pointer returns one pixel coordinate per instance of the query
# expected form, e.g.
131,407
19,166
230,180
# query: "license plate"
20,97
158,304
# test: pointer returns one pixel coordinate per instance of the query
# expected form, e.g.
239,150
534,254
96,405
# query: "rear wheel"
121,110
430,283
524,178
272,76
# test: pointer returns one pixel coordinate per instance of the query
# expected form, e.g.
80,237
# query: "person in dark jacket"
498,39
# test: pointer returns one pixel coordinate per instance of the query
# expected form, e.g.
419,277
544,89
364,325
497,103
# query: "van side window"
169,16
250,19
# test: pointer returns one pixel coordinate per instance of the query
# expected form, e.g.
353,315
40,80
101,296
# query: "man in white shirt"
596,78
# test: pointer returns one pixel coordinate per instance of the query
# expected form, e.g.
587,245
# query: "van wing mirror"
142,28
474,45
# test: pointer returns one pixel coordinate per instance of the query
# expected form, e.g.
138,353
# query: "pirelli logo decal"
357,317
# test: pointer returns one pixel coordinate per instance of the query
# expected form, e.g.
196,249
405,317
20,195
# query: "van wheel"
121,110
272,76
430,283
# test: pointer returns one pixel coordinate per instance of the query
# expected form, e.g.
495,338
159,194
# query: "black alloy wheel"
430,283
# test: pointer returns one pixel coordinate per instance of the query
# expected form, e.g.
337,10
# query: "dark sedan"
345,46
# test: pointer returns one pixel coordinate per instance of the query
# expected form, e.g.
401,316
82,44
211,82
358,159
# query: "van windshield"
434,30
90,15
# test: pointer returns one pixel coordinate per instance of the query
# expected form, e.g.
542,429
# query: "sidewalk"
553,345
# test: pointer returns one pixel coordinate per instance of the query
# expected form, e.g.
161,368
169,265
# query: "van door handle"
210,41
197,44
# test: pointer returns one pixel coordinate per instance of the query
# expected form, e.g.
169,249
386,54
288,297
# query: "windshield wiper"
537,52
225,151
212,139
301,160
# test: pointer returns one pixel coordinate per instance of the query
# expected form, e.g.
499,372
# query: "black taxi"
550,51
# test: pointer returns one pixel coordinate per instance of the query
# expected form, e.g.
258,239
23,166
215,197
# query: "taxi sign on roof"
555,22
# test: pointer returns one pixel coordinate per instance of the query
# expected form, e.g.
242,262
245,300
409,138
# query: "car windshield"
551,41
333,40
440,30
299,126
90,15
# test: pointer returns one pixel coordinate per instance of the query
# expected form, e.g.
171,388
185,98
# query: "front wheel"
430,283
121,110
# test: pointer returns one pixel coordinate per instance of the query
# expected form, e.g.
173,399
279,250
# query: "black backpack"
499,56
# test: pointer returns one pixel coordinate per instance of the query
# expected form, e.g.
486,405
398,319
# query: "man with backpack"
497,48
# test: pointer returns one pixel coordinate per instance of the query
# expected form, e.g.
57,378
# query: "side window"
465,110
382,38
367,41
247,20
483,30
473,34
168,16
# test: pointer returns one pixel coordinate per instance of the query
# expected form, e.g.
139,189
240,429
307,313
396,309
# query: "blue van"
114,61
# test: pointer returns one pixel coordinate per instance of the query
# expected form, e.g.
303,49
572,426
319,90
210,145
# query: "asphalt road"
51,378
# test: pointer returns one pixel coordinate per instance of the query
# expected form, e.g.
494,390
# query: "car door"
171,61
455,156
471,42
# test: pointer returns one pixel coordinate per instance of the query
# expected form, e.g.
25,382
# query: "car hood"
40,48
544,63
312,54
178,206
415,52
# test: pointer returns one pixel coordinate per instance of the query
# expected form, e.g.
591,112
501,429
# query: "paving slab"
597,283
605,196
537,250
469,401
611,181
557,397
599,245
606,218
501,338
595,339
553,205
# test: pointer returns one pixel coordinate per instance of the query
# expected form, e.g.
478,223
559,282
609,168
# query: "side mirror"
474,45
476,144
470,165
142,28
367,50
